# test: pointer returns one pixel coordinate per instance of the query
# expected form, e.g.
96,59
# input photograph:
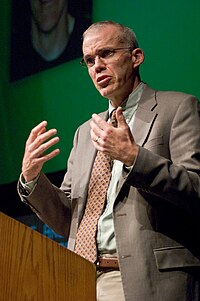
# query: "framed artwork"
45,33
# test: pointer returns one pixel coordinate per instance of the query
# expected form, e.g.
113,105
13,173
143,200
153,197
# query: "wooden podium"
35,268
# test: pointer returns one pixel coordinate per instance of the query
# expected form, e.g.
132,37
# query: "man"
148,231
50,34
51,27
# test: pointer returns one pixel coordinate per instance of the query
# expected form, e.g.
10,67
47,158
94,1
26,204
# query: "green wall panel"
168,32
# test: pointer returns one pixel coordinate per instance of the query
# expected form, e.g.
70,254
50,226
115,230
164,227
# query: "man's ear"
137,57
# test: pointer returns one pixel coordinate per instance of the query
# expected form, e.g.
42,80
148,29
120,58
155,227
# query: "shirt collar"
130,104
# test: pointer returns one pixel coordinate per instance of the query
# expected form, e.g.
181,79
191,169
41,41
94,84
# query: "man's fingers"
120,117
44,147
38,151
40,139
49,156
100,123
40,128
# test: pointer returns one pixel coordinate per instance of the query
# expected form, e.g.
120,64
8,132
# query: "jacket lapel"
144,116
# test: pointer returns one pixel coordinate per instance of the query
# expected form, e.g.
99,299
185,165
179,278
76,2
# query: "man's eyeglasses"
105,54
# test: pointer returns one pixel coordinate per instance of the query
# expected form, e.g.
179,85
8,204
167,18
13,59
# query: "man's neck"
51,44
117,101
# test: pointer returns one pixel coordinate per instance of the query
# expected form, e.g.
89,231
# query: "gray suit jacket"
157,209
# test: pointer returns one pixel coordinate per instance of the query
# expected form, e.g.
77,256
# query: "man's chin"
105,92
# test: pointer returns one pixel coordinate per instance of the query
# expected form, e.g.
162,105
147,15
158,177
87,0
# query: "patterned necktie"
99,181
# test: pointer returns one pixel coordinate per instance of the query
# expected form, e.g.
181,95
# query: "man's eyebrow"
97,51
100,49
87,55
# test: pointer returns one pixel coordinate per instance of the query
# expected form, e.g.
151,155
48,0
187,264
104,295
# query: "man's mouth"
45,1
103,80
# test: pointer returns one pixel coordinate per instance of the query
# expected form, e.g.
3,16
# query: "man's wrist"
28,187
132,157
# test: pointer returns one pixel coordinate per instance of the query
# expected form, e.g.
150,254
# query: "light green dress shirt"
105,233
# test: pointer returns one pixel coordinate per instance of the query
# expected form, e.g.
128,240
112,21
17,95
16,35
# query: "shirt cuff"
28,187
127,168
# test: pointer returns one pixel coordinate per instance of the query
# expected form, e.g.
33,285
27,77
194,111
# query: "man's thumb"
120,117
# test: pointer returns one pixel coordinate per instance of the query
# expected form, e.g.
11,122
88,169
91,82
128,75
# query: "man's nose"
99,63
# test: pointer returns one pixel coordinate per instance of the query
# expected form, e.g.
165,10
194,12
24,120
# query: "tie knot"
113,118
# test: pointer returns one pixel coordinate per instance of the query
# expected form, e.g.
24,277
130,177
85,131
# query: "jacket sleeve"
175,179
50,203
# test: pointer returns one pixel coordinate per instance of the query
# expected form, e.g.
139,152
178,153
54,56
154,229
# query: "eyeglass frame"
84,64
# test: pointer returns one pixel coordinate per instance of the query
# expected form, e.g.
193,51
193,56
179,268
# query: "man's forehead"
99,31
100,38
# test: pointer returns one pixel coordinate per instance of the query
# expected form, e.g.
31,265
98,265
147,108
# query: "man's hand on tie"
118,142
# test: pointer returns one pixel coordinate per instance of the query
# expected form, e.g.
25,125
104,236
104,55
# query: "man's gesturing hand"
37,143
118,142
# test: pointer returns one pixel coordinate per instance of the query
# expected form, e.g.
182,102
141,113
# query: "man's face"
113,78
47,13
